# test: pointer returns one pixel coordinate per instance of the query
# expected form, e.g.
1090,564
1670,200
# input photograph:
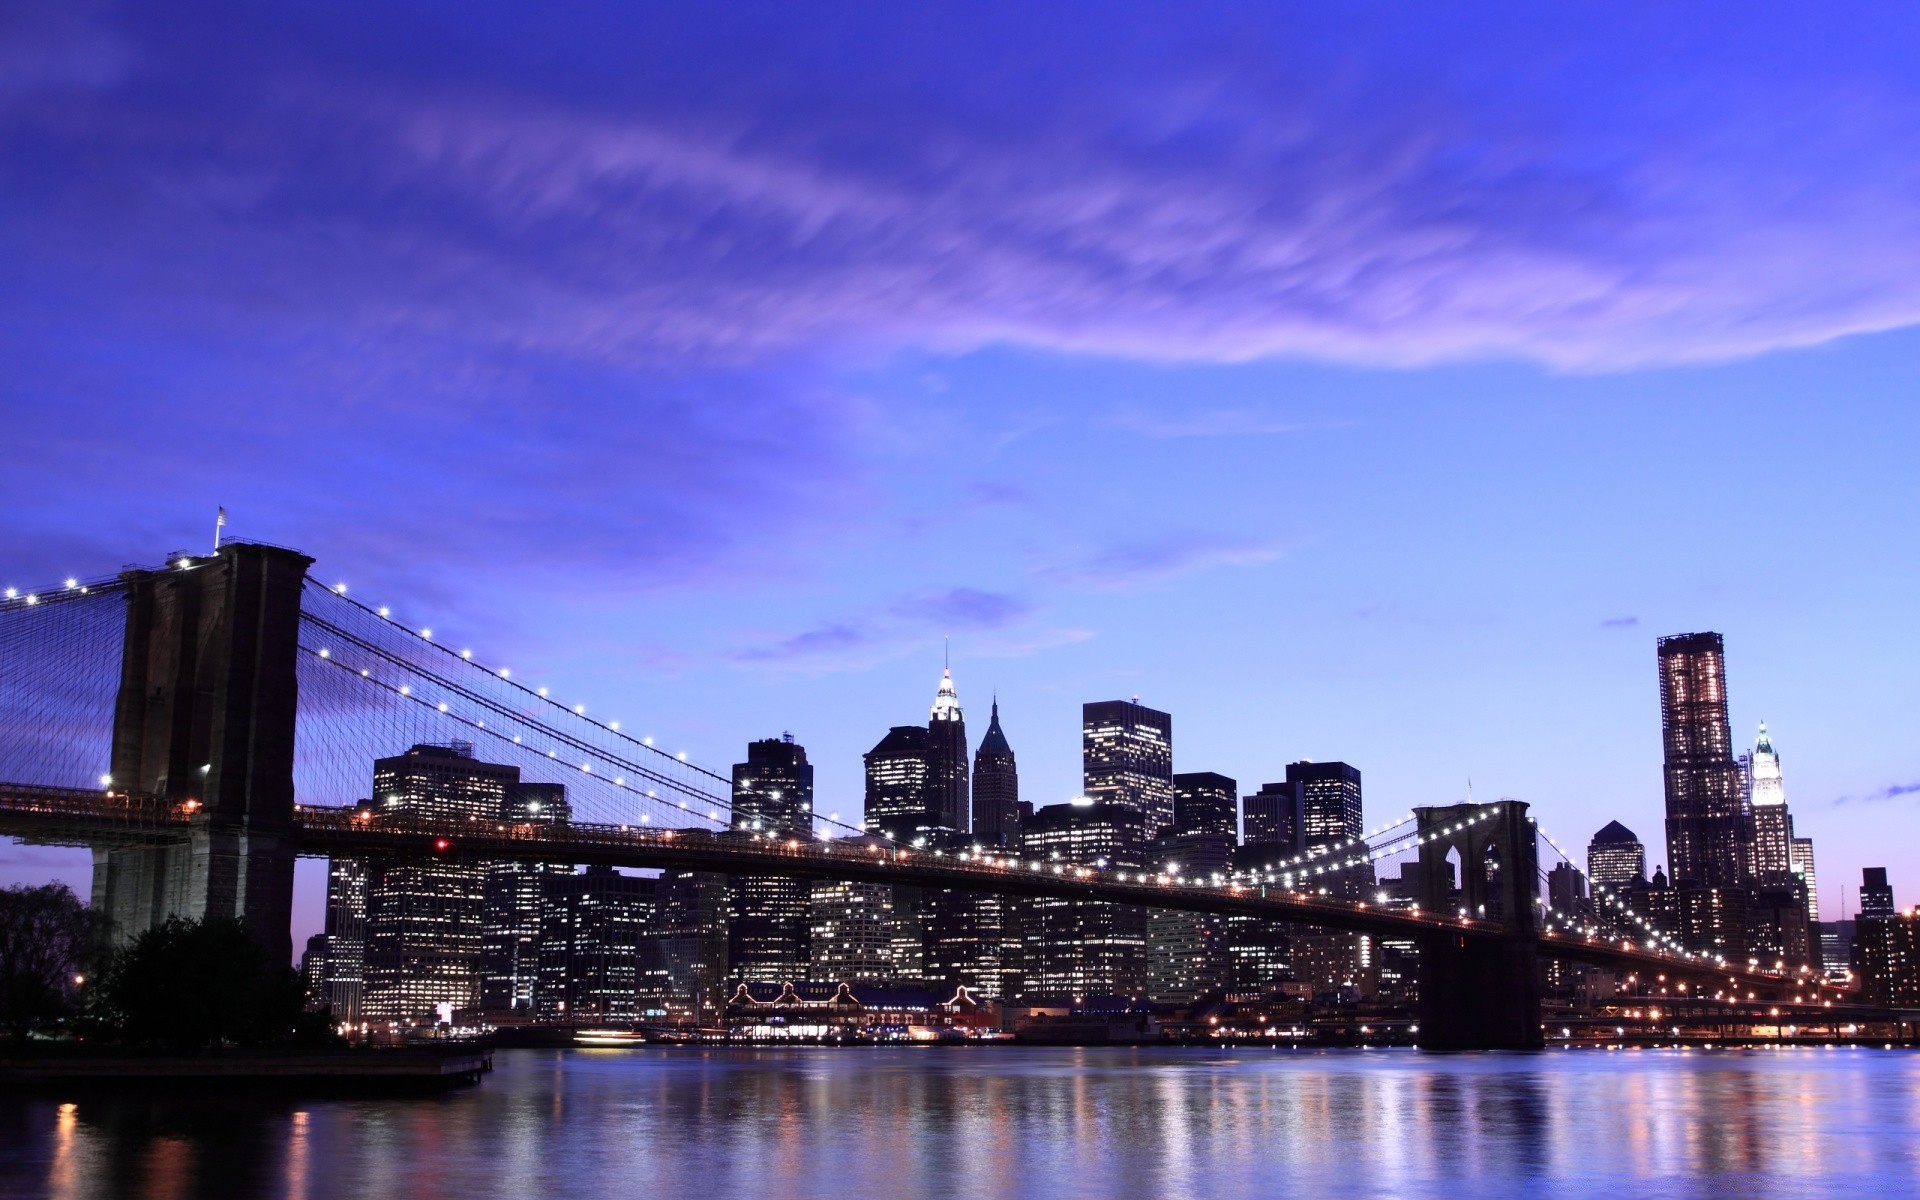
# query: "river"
994,1121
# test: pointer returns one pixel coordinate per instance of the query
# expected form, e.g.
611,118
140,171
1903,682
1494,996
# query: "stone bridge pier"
1480,993
205,713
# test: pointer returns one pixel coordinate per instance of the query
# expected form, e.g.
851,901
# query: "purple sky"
1355,381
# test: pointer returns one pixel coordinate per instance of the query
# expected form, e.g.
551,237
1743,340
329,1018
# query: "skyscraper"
346,932
1079,948
683,954
1772,824
592,929
899,769
1272,820
768,923
852,942
1204,802
512,909
996,789
1329,803
947,782
1615,858
424,919
1803,867
1701,777
1127,764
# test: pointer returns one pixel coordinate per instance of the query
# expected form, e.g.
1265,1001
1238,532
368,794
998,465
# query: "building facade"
1205,802
996,789
1127,766
769,926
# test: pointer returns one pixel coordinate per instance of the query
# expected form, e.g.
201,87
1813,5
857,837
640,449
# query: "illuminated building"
1127,765
948,793
590,957
1802,860
1701,777
1615,858
1204,802
1078,947
1886,945
769,927
1272,820
510,907
683,953
424,919
1329,803
898,771
346,933
852,942
1189,957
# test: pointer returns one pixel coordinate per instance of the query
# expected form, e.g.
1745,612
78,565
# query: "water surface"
795,1124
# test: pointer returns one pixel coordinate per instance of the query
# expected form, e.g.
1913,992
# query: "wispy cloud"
1214,422
1892,791
886,632
1620,622
1140,563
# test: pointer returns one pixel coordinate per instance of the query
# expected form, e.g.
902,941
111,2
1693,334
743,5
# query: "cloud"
1140,563
894,629
1217,422
1892,791
1620,622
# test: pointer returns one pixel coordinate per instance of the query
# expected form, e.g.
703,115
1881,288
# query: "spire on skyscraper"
946,702
995,742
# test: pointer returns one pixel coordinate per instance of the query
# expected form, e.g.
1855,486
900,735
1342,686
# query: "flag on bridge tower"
219,523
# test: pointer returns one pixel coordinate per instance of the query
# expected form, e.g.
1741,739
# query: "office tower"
899,769
591,932
1189,956
346,931
996,789
1876,894
1077,948
1615,859
768,924
424,918
1701,778
1204,802
1329,804
947,781
1778,931
1127,765
1772,859
684,951
1888,951
1272,820
511,909
1802,863
852,942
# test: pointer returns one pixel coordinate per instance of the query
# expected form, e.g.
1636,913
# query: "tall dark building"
1127,766
996,789
683,953
1876,894
947,784
769,924
1272,820
1189,954
1204,802
1705,834
898,771
1329,803
346,932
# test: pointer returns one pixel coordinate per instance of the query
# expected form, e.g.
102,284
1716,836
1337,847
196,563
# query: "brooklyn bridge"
201,724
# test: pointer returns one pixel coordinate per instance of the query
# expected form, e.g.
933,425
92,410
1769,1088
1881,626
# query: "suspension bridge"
200,724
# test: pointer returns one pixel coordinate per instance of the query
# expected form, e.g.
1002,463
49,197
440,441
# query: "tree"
43,941
191,984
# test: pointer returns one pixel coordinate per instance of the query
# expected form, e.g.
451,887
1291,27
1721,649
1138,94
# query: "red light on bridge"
441,843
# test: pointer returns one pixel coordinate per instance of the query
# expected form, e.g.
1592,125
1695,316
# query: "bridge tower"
1480,993
205,713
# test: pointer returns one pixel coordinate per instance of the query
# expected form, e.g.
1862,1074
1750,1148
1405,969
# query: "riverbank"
410,1069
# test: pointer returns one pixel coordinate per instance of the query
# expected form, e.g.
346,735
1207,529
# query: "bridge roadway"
64,816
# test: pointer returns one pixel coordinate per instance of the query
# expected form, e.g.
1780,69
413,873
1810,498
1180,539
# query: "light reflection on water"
1002,1122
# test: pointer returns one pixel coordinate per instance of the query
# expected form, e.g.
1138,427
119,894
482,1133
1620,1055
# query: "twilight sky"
1359,381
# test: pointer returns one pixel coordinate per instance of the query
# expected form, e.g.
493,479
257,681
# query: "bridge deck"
83,817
